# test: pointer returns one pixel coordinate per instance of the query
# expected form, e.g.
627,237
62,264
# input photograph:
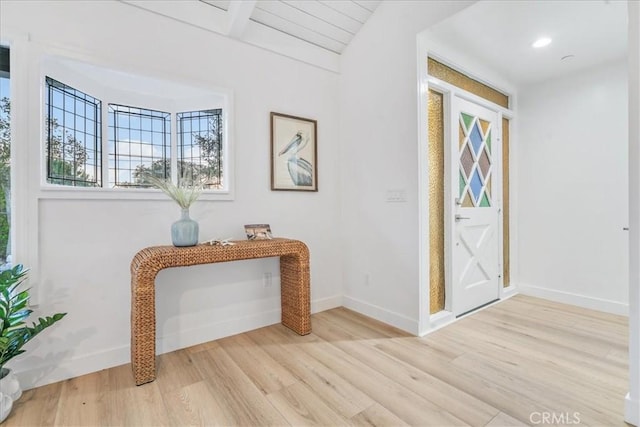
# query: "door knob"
458,217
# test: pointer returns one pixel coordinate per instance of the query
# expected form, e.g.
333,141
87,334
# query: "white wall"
379,152
86,246
573,199
632,401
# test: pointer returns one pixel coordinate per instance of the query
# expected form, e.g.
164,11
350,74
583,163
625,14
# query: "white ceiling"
327,24
499,34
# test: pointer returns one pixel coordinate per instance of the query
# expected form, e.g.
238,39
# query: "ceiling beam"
239,14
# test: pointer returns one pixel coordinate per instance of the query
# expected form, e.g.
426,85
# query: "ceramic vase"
184,232
9,384
6,404
10,391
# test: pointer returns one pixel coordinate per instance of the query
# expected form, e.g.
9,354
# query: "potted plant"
184,232
14,331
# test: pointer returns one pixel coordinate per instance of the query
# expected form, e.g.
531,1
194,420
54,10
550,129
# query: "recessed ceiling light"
541,42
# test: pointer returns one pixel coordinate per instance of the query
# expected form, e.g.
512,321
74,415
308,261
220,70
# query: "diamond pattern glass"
476,186
467,119
475,172
484,163
467,203
485,126
476,139
467,161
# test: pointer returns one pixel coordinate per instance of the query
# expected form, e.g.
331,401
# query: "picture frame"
258,231
294,153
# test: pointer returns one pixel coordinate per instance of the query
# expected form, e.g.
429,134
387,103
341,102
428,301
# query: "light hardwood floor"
507,365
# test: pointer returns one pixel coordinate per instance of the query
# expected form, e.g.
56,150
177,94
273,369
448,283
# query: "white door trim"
426,82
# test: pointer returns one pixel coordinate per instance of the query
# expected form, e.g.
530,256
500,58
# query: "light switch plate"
396,196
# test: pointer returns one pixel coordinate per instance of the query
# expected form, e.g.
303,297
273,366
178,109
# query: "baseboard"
508,292
215,330
389,317
632,410
194,336
599,304
324,304
41,373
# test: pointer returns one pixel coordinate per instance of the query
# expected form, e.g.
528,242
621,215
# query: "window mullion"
174,147
105,143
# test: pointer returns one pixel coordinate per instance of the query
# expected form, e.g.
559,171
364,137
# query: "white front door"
475,183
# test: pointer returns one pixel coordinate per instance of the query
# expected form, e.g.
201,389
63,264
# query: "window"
139,145
200,147
148,127
73,128
5,159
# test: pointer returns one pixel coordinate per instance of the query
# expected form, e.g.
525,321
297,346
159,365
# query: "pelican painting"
293,153
300,170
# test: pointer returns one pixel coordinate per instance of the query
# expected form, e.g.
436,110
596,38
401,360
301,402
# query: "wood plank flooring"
507,365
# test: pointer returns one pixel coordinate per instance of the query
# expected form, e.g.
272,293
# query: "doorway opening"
468,172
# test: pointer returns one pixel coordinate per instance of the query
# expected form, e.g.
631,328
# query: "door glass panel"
476,186
485,126
467,119
467,161
476,139
467,203
484,163
475,161
463,184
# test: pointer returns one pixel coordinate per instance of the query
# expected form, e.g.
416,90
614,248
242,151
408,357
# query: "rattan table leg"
295,294
143,330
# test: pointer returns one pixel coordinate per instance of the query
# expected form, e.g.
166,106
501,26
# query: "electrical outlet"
267,280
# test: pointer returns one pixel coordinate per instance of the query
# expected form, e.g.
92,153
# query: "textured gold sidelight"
436,201
440,71
506,273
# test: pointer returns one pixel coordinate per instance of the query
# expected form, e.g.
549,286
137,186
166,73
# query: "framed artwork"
258,231
294,153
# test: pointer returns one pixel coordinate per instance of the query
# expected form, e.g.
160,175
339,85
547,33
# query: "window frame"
50,85
180,134
165,147
62,69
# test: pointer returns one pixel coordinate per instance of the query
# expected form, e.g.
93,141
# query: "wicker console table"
294,279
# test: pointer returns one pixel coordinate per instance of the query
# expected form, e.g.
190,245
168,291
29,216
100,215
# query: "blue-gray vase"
184,232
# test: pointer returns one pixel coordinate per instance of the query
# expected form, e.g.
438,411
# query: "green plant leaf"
14,311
